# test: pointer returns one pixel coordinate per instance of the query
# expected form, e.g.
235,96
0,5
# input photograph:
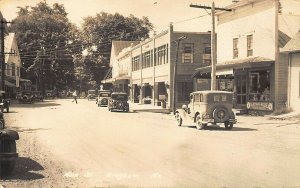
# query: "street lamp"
175,72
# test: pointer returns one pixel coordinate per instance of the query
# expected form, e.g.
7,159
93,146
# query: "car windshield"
119,97
92,92
104,94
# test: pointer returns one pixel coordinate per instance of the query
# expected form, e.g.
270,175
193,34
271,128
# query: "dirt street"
80,145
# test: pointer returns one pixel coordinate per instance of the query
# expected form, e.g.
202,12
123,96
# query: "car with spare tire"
208,107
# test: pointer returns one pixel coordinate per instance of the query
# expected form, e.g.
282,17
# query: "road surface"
82,145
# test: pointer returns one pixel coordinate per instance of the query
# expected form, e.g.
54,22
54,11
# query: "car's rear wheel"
178,119
228,125
8,166
199,124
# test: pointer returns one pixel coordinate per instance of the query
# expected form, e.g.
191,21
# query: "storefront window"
259,87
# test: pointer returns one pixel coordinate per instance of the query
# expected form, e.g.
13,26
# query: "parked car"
91,94
63,94
37,96
49,94
26,97
4,103
8,151
118,102
208,107
103,97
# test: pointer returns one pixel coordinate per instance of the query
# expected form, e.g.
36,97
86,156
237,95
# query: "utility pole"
2,53
213,42
174,88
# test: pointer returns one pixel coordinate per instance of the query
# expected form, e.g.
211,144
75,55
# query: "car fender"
9,135
185,116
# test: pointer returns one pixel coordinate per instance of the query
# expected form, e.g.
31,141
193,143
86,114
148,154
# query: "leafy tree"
47,42
101,29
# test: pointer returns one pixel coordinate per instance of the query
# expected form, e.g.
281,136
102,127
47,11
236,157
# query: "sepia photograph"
150,93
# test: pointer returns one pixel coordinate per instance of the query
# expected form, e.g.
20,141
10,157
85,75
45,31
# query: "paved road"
147,149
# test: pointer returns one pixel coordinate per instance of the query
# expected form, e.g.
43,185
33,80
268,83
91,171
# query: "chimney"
171,27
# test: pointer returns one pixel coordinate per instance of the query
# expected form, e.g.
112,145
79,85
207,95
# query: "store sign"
265,106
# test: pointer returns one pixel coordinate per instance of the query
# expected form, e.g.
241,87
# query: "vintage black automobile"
91,94
118,102
26,97
103,97
8,151
37,96
208,107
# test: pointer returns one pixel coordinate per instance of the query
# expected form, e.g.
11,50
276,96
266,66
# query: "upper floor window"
147,59
135,63
187,54
162,55
249,45
206,57
235,48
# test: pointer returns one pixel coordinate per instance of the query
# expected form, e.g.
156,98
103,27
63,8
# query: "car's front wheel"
178,119
199,124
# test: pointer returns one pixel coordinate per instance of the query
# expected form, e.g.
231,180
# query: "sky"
159,12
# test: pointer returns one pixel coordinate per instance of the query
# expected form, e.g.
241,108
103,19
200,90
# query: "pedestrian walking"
75,96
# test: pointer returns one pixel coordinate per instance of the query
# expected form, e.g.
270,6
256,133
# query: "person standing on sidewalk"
75,96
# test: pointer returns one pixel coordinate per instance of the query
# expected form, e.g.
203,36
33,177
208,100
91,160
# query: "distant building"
149,67
12,65
248,59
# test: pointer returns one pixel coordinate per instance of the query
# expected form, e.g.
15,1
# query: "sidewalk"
136,107
286,116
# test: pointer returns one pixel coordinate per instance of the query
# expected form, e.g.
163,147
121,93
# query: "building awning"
125,77
110,80
9,84
293,45
227,67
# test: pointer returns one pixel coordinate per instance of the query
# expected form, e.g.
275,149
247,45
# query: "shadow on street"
219,128
25,169
35,105
28,130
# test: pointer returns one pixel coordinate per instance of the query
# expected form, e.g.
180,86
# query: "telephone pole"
175,72
213,41
2,53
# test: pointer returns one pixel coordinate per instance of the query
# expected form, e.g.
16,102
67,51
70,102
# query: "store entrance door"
241,91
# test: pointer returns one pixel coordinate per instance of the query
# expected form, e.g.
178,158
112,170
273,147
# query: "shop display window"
259,86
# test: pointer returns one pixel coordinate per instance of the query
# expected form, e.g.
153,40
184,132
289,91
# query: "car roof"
209,91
